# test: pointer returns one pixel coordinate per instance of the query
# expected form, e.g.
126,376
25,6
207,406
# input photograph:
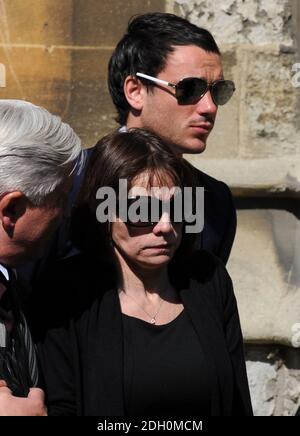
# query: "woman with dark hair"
138,324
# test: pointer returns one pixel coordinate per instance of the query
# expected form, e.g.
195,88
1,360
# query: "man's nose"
206,104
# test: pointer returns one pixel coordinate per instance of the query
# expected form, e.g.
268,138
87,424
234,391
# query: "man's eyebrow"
219,77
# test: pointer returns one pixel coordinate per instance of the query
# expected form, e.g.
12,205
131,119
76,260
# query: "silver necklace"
152,318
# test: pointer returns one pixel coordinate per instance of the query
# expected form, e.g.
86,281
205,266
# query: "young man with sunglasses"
166,75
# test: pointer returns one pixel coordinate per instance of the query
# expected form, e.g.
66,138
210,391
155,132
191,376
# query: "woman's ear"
134,92
12,207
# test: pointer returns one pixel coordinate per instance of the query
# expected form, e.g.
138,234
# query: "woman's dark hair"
150,38
124,155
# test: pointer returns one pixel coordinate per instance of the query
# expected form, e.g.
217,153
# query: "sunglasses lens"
135,215
222,91
190,90
147,211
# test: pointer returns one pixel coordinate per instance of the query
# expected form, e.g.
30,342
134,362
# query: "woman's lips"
159,247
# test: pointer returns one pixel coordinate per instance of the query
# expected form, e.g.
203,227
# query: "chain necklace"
152,317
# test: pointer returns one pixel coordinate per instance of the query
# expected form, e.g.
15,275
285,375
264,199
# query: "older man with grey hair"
38,156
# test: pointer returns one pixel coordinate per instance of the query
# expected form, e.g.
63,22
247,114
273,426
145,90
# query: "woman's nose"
164,225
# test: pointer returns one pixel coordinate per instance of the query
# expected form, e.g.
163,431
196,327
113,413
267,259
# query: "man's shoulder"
204,265
210,183
66,289
207,269
76,270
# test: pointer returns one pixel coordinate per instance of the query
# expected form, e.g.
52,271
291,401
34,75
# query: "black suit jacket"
219,229
78,327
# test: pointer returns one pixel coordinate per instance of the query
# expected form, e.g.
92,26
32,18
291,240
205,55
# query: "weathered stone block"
40,76
274,379
265,274
60,60
269,112
102,23
262,379
237,21
91,111
46,22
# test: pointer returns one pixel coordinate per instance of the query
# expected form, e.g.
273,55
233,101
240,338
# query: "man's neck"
135,123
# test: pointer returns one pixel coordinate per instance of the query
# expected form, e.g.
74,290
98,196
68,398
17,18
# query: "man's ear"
134,92
12,206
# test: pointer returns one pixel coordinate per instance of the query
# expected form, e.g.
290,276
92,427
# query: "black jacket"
219,229
79,331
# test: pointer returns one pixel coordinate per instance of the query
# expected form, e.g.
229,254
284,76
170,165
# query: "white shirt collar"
4,272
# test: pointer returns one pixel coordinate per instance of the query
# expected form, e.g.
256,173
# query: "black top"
77,322
164,369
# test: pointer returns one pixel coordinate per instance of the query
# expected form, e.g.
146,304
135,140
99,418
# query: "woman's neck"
135,280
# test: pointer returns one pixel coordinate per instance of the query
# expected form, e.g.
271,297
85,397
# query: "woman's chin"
156,261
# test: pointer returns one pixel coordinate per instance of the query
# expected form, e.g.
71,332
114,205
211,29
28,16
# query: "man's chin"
195,147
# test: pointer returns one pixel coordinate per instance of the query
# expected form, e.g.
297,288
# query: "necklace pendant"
152,321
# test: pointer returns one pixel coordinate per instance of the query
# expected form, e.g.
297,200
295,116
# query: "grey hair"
37,150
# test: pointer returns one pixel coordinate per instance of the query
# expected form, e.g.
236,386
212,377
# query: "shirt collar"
4,272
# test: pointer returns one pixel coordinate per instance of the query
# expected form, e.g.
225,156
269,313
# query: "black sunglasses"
154,209
191,89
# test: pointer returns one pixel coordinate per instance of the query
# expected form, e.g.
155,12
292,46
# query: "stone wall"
55,54
255,148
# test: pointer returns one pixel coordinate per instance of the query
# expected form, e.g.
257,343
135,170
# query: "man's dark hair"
150,38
